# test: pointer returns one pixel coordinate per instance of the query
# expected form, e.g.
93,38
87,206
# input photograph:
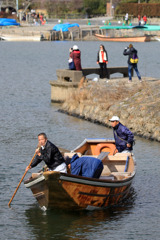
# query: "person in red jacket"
139,20
76,56
145,19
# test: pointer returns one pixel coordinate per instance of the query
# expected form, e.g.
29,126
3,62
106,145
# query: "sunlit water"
25,108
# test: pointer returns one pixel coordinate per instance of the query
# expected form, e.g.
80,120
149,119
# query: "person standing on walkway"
126,19
124,138
76,56
70,61
145,19
102,60
132,61
139,20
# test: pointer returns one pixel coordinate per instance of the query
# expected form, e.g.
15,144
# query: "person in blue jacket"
85,166
124,138
131,51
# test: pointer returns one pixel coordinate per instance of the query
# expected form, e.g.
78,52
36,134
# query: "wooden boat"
122,39
59,190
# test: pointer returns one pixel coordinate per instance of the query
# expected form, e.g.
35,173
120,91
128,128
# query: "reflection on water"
59,224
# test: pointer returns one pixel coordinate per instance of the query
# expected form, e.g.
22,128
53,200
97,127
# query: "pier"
67,80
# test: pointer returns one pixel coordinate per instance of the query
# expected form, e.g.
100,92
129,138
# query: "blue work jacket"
85,166
122,136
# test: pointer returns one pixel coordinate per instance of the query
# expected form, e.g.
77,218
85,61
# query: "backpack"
134,58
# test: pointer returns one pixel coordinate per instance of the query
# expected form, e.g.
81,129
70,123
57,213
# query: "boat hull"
57,190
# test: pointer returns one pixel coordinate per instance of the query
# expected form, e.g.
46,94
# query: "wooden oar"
20,181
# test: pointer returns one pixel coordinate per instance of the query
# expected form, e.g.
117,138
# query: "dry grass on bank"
137,104
103,94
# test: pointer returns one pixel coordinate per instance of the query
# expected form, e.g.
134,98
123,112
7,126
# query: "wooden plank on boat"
103,156
119,157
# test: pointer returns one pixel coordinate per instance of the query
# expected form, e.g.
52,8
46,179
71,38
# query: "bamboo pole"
20,181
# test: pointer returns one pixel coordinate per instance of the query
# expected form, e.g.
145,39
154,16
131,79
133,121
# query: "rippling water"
26,69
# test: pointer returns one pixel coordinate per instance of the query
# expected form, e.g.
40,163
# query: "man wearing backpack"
132,61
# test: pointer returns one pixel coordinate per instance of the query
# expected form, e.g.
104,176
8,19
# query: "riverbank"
86,31
137,104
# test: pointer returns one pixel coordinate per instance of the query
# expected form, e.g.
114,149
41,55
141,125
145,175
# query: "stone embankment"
137,104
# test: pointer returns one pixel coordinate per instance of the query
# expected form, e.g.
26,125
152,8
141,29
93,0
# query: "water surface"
26,110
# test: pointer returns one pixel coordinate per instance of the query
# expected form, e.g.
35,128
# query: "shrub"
148,9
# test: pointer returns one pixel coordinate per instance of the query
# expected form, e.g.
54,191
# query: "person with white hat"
76,56
124,138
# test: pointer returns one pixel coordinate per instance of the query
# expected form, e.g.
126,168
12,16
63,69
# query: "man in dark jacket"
50,154
132,54
85,166
124,138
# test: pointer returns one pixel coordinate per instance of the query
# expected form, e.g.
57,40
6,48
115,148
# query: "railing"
64,75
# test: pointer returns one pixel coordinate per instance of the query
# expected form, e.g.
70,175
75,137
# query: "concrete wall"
60,91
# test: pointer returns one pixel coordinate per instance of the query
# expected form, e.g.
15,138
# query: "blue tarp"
64,27
8,22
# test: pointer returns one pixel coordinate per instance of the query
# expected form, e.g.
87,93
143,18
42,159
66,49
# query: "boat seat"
119,157
36,175
110,177
121,173
102,156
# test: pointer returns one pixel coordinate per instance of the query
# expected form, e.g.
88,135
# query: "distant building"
110,7
8,5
